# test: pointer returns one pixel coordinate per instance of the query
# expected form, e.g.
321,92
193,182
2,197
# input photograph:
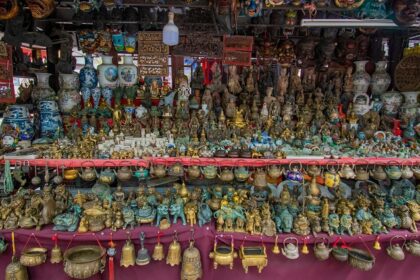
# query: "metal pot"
331,177
290,250
395,251
241,174
378,173
176,170
209,172
33,256
107,176
347,172
260,178
361,259
294,173
362,174
70,174
321,250
393,171
226,175
407,172
413,247
124,173
84,261
193,172
158,170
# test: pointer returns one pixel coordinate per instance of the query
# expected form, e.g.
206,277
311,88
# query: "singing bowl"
81,262
33,256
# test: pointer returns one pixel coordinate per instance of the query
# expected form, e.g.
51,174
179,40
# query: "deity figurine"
306,52
250,85
208,99
309,79
268,99
233,80
286,54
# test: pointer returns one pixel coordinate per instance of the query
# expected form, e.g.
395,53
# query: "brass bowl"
81,262
71,174
33,256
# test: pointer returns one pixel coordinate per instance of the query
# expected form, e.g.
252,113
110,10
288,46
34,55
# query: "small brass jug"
143,257
128,254
158,253
191,264
174,252
16,271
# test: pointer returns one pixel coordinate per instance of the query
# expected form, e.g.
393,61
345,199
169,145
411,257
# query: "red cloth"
278,266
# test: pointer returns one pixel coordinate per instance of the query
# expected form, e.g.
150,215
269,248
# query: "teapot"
395,251
158,170
176,170
406,172
378,173
294,173
321,250
393,172
88,174
193,172
290,251
331,177
413,247
362,104
241,173
209,172
260,178
274,171
362,173
107,176
124,173
416,172
347,172
141,173
226,175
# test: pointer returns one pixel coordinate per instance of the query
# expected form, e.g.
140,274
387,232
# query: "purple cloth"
278,266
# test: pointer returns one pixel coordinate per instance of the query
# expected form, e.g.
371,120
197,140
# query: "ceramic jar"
410,98
361,79
361,104
69,97
380,79
42,90
127,72
392,101
87,76
50,118
107,73
16,124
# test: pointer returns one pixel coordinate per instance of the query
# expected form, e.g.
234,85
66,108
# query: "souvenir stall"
209,139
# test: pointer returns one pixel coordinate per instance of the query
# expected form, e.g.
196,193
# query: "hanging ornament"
158,253
111,251
276,249
170,32
143,257
174,252
56,255
376,244
15,270
191,262
305,249
128,254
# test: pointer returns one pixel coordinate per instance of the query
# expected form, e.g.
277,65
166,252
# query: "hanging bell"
128,254
305,249
174,252
16,271
276,249
158,253
376,244
56,255
191,264
143,257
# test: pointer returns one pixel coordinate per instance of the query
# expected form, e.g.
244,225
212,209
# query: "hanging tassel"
305,249
13,243
111,253
376,244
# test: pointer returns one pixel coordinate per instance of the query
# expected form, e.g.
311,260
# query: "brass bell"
56,255
305,249
276,249
174,252
191,264
143,257
128,254
16,271
376,244
158,253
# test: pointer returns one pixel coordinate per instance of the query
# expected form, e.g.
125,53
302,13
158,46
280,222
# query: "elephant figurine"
177,210
163,212
204,214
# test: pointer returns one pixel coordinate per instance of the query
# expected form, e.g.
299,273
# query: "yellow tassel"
376,244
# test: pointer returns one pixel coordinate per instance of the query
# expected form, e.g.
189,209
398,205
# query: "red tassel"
111,268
